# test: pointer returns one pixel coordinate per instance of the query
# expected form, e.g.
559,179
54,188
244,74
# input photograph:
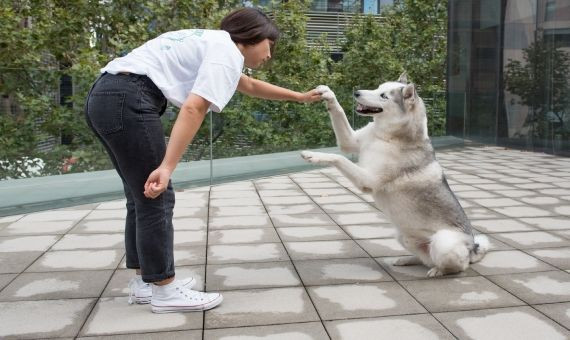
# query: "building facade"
508,73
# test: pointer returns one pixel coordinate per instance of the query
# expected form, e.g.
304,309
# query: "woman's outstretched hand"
310,96
157,182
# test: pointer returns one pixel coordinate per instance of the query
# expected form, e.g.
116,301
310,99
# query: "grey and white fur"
397,165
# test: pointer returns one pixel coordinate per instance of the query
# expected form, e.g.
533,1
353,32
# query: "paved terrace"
305,256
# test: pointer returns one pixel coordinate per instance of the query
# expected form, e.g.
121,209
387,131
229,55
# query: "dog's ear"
403,78
409,93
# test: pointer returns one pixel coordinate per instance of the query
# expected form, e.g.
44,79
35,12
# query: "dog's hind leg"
360,177
345,135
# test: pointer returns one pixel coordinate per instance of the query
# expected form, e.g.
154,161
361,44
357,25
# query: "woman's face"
255,55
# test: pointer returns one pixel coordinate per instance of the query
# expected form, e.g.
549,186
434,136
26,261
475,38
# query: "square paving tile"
296,331
522,211
176,335
296,209
337,199
497,202
5,279
96,241
287,200
359,218
531,240
16,262
99,226
231,236
114,315
383,247
348,208
504,323
58,285
501,225
106,215
251,275
41,319
477,213
187,238
235,253
55,215
301,220
238,211
37,228
558,257
324,249
67,260
316,233
548,223
508,262
535,288
27,243
409,327
189,223
363,300
180,211
370,231
559,312
233,202
446,295
234,194
281,193
262,307
327,272
187,256
235,222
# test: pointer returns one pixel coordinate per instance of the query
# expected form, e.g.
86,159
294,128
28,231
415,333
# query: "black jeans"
124,112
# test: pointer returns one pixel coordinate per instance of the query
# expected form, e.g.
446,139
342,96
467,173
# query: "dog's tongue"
359,107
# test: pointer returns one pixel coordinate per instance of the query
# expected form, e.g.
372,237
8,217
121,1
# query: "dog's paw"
434,272
316,157
326,93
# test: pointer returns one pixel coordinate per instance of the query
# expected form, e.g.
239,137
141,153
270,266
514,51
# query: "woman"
196,70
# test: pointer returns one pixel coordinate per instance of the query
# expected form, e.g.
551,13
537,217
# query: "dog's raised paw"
326,92
308,156
315,157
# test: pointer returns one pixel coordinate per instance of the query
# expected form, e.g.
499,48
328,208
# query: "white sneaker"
177,297
142,291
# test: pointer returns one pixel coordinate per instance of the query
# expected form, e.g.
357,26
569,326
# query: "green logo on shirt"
178,37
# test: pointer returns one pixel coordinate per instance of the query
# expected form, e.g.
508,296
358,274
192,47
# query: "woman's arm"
187,123
260,89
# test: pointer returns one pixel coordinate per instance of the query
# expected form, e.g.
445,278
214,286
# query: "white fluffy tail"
482,246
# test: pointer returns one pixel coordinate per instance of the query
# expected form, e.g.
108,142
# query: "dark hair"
249,26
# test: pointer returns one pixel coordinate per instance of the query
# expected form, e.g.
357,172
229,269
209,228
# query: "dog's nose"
357,94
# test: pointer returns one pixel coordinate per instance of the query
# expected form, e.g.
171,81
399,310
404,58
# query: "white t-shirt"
204,62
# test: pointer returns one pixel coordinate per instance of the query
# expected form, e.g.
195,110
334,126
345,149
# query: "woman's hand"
310,97
157,182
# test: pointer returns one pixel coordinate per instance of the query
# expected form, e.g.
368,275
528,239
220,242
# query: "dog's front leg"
360,177
345,135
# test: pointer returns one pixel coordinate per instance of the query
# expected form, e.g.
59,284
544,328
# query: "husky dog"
397,165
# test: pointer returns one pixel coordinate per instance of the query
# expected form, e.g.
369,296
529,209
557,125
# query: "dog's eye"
383,96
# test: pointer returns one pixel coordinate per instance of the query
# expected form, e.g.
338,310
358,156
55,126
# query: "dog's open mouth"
368,110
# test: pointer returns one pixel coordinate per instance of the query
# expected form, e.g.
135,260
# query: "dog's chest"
377,156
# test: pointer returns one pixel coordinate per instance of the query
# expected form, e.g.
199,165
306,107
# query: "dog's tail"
481,248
